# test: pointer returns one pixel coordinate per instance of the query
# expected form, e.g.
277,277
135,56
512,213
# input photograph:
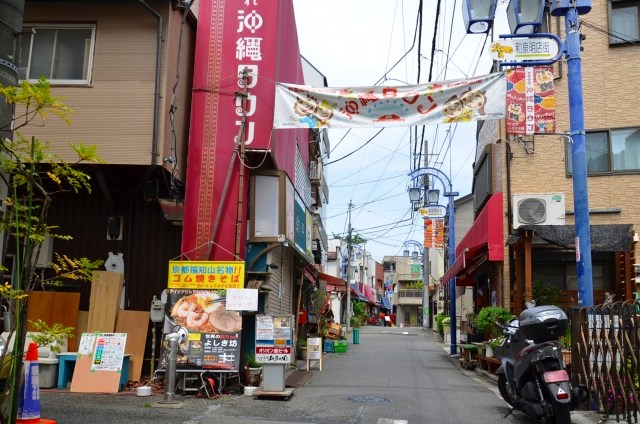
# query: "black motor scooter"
532,377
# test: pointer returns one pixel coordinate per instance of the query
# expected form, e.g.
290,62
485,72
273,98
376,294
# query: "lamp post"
430,196
522,15
415,254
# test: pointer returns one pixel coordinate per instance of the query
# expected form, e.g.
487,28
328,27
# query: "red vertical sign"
232,37
531,101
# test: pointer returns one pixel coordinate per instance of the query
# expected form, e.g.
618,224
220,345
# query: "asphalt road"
393,376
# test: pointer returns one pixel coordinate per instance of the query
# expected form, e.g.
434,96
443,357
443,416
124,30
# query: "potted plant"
439,326
492,345
253,371
486,320
446,325
302,348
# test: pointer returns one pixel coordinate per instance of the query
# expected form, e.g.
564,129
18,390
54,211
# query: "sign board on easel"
99,362
314,352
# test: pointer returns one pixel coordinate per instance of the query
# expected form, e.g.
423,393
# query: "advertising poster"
196,301
531,101
273,339
434,233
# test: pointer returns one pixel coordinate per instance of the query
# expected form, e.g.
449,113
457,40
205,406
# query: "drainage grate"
368,399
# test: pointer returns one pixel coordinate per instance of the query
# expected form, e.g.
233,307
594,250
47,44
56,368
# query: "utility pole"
348,288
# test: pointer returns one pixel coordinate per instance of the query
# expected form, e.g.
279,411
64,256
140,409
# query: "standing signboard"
314,352
274,339
274,348
196,301
101,365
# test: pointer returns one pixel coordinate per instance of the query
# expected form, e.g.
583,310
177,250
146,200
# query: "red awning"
330,279
484,241
309,275
368,293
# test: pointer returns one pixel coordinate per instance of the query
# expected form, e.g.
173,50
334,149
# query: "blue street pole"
579,159
571,49
446,182
452,282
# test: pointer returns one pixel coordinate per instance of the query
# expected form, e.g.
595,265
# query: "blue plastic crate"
328,346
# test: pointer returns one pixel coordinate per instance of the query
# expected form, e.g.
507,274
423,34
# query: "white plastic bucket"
143,391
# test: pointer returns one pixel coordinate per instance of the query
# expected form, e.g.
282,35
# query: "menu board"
273,339
109,352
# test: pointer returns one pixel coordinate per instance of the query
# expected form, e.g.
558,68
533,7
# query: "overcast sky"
365,43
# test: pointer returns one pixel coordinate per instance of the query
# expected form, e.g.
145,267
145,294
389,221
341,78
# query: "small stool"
67,362
66,365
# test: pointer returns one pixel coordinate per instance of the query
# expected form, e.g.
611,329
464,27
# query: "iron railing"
605,354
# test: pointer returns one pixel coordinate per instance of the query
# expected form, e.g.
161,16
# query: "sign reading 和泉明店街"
196,301
521,49
462,100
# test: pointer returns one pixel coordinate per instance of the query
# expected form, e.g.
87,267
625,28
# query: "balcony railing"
409,297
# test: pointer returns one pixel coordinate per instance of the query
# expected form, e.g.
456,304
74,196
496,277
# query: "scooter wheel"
505,390
561,414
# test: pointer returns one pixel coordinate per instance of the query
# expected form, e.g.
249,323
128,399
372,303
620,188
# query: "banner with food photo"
196,301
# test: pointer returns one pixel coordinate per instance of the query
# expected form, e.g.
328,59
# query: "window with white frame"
624,25
61,53
610,151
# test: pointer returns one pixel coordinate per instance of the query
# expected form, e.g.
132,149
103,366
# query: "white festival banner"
446,102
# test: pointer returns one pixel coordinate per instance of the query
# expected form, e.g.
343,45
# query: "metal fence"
605,347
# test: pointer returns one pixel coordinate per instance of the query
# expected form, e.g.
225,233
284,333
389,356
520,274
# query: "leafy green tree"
32,177
355,239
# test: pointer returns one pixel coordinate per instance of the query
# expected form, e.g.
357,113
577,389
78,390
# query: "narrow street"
394,375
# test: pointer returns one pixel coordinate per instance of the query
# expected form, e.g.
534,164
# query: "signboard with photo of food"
196,300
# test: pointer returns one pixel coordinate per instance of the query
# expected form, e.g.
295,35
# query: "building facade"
523,187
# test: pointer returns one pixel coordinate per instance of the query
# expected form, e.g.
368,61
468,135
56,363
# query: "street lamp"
478,15
450,194
525,16
523,10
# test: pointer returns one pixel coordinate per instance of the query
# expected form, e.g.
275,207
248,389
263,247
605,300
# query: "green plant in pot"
486,320
253,371
355,322
439,319
252,362
495,342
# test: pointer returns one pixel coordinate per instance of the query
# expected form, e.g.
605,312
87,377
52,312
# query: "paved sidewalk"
577,417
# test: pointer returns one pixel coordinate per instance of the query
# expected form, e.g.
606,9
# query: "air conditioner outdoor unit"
538,209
